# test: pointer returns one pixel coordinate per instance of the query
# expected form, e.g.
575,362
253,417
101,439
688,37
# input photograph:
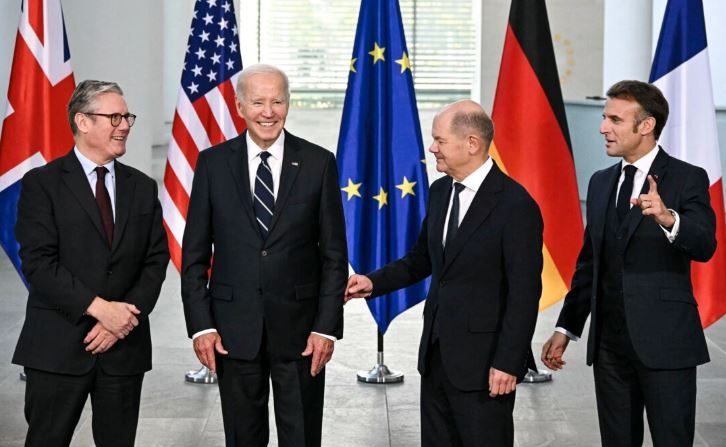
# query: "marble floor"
179,414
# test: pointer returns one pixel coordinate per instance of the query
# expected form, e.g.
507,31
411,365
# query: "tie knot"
101,172
458,187
264,155
630,170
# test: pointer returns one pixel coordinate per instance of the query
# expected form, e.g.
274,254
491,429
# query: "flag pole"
380,374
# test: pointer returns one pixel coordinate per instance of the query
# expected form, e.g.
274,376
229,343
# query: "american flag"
35,128
205,111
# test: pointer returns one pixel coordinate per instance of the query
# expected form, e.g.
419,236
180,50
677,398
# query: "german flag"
532,142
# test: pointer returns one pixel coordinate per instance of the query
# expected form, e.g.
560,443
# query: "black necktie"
103,200
264,203
626,190
453,226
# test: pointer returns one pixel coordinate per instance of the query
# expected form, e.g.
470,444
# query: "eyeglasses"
116,117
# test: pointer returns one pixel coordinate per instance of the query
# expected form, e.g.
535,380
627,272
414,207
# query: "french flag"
681,70
35,126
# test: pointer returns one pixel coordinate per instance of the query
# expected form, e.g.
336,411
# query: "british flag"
205,112
35,128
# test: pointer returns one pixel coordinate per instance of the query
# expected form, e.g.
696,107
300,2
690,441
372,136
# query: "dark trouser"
624,387
451,417
54,402
244,391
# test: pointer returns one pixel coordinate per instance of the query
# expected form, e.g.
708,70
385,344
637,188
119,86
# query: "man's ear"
647,125
81,120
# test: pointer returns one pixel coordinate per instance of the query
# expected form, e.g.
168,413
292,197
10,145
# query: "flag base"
537,376
202,375
380,374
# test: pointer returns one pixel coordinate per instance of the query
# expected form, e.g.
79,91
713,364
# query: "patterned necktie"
626,190
103,200
453,226
264,203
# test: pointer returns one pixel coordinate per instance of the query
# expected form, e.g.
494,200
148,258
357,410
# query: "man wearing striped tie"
266,207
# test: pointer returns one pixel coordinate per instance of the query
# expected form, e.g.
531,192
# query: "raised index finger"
653,185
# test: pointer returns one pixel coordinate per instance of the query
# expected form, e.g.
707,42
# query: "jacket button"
442,283
109,272
264,252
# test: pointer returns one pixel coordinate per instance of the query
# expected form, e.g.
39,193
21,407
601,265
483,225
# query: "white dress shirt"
471,183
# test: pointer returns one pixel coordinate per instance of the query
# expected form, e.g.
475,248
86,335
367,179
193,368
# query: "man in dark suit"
482,243
633,277
266,207
94,253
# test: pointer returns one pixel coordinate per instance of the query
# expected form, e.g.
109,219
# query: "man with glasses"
94,254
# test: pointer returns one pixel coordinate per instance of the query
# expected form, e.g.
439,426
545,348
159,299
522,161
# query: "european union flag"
380,154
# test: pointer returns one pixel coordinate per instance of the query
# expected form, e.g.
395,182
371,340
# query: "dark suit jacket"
293,282
660,310
67,262
485,294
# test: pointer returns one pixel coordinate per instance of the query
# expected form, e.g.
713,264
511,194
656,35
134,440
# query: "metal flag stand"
380,374
534,375
202,375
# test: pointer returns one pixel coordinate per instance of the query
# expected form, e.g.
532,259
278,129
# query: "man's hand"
553,350
321,349
359,286
117,317
99,339
501,383
652,205
205,346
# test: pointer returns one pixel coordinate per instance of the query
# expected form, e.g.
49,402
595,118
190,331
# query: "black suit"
637,287
67,263
265,297
484,296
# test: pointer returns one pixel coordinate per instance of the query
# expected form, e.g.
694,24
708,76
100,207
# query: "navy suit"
659,327
265,296
484,293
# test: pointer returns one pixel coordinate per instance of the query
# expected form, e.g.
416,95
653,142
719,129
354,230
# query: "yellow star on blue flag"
380,145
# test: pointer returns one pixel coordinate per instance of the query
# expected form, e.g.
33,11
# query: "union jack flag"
35,127
205,112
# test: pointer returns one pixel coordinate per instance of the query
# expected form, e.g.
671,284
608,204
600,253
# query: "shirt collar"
89,167
644,163
474,180
275,150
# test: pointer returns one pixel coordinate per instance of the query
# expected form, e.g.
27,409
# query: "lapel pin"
294,163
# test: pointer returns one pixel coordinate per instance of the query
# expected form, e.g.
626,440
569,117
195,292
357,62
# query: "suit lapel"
239,166
291,165
602,198
658,171
125,189
481,207
437,217
77,181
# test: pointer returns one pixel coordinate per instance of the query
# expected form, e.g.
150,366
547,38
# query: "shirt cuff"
206,331
673,232
329,337
569,334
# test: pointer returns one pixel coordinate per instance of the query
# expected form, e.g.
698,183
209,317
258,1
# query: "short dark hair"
84,98
649,98
479,122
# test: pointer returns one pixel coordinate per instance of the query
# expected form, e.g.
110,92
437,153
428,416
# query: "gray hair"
84,98
476,121
261,69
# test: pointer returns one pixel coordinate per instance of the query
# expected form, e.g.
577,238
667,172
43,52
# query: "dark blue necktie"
264,202
626,190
